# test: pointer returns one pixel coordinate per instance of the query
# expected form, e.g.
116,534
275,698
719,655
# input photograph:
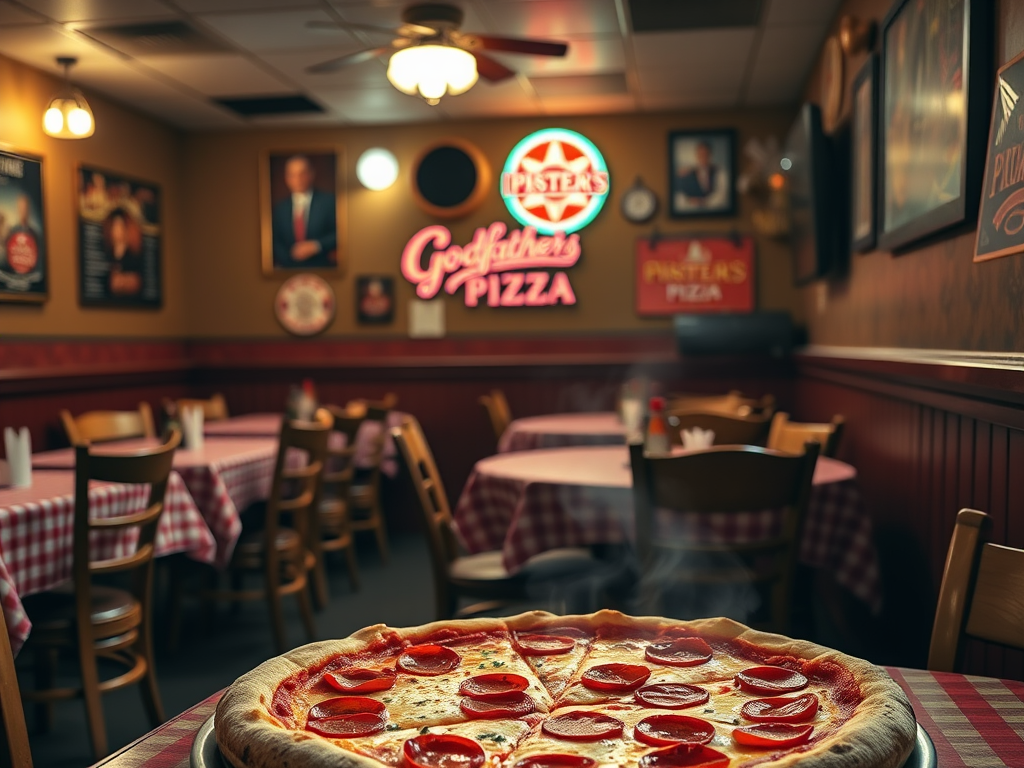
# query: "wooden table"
561,430
973,721
527,502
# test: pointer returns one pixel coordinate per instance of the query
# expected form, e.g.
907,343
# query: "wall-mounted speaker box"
756,333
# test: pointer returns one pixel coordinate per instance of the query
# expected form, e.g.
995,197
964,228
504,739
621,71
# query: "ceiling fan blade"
514,45
490,69
333,65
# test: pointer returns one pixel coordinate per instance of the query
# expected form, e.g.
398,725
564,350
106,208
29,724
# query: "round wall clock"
305,305
832,84
450,178
639,203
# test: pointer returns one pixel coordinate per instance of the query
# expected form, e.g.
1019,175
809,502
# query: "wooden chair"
334,526
732,403
102,621
728,429
498,411
365,511
722,480
104,426
982,593
480,577
214,409
791,437
13,732
281,553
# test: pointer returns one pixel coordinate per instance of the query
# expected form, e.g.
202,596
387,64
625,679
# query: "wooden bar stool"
104,426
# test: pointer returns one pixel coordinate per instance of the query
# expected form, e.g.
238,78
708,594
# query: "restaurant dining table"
525,503
560,430
36,534
971,721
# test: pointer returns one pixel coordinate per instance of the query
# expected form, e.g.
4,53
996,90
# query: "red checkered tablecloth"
561,430
36,535
529,502
973,722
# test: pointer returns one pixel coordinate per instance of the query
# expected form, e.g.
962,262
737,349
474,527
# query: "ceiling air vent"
156,38
677,15
257,106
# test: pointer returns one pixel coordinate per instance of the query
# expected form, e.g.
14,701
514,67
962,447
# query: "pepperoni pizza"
544,691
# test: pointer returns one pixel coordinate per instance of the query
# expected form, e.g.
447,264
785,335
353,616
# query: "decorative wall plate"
305,305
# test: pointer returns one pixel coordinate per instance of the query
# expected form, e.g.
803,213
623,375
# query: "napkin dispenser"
192,427
697,439
19,456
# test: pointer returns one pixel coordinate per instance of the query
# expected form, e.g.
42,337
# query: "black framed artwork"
933,76
375,299
23,246
863,157
702,173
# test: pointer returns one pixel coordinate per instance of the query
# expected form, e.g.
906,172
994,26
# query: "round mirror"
450,178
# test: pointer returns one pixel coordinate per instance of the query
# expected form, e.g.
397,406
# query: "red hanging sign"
694,275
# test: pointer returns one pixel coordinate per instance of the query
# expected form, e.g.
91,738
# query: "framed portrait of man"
702,173
302,212
23,247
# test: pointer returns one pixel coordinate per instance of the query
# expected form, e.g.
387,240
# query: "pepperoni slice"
616,678
770,680
773,735
582,726
360,680
666,730
498,705
671,695
344,706
491,685
544,645
428,660
556,761
684,756
348,726
684,652
781,709
443,751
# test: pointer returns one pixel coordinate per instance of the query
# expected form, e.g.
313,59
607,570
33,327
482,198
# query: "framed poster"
694,275
933,74
119,240
702,173
863,155
301,213
375,299
1001,218
23,248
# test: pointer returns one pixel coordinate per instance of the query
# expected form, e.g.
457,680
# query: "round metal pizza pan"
205,753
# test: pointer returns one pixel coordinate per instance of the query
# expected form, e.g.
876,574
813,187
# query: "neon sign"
491,266
555,180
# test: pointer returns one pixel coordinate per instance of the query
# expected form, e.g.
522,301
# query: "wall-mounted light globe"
377,169
432,71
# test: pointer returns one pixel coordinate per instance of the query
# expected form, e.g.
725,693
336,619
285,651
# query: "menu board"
119,240
23,264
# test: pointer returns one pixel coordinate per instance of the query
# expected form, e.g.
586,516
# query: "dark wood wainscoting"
929,436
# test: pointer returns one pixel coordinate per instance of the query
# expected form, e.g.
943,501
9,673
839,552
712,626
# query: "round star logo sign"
555,180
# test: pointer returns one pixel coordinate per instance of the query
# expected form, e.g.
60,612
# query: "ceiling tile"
784,61
503,99
694,50
584,57
219,74
368,74
40,45
696,99
553,19
216,6
387,13
800,12
101,10
13,14
276,31
588,105
380,105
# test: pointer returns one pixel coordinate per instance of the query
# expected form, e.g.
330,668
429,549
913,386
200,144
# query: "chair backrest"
376,412
214,409
498,411
728,429
725,480
340,468
296,489
103,426
13,731
981,593
790,436
733,403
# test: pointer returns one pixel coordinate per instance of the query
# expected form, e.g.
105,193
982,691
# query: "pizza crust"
879,734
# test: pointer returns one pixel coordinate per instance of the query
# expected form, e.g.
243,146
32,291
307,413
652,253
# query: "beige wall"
125,141
230,297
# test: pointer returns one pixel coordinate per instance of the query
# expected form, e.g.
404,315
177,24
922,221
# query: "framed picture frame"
932,73
702,173
1001,211
302,210
375,299
864,157
24,252
120,239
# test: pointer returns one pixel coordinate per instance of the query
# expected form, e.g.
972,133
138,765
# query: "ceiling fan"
432,56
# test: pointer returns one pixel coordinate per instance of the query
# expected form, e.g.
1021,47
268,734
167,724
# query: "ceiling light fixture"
377,169
68,115
432,71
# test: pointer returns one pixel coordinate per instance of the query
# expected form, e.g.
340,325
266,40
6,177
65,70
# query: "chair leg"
237,584
318,581
352,564
382,535
150,691
45,663
276,618
91,694
306,609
